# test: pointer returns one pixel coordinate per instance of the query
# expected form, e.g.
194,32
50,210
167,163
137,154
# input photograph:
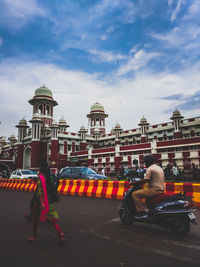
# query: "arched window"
47,110
40,109
97,121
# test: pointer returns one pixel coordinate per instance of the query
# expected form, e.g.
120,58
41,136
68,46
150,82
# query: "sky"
135,57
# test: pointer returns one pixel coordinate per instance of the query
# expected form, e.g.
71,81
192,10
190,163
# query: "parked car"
80,173
23,174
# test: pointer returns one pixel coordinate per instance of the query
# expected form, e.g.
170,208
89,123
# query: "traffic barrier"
99,189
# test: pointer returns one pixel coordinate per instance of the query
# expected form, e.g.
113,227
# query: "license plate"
191,216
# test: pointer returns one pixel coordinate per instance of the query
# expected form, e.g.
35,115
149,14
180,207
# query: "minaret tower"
177,117
96,118
43,104
144,127
22,129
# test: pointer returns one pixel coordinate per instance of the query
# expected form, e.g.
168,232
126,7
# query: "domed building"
96,118
176,141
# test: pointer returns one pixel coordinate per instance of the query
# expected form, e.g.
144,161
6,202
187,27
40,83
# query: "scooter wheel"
180,227
124,217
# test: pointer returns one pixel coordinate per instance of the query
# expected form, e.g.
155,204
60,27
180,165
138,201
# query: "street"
95,237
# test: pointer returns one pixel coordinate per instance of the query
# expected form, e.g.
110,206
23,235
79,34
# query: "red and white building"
175,141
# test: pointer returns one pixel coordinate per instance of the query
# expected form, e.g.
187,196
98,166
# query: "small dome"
23,122
82,128
97,107
117,126
43,91
3,140
176,114
62,121
143,120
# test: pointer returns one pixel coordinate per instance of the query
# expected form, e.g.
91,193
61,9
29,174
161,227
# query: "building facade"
176,141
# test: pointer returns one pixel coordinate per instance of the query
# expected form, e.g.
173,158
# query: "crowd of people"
171,171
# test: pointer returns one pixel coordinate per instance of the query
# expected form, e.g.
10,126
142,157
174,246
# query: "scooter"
174,212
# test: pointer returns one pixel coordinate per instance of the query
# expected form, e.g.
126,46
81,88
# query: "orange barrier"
99,189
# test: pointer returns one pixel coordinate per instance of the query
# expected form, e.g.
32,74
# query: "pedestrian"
175,170
43,209
167,171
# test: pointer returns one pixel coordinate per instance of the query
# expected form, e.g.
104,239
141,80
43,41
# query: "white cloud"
104,37
126,101
177,9
170,2
140,59
19,12
106,56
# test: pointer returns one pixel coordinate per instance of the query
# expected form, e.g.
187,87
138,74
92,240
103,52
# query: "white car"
23,174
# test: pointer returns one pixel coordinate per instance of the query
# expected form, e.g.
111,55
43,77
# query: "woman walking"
43,209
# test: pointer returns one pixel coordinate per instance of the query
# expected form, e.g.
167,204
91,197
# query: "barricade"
99,189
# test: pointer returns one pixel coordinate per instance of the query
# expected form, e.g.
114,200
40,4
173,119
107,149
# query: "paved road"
95,237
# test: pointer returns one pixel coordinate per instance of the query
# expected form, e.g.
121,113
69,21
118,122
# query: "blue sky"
135,57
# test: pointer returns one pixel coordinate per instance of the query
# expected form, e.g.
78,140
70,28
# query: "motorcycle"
174,212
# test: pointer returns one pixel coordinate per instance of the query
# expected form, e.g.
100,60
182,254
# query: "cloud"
126,101
189,102
106,56
16,14
104,37
177,9
140,59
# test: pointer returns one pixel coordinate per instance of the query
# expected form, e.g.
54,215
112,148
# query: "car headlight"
91,178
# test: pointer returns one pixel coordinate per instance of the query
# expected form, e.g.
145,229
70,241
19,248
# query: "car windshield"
87,171
27,172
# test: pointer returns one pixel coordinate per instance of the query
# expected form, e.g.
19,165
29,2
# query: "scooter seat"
157,199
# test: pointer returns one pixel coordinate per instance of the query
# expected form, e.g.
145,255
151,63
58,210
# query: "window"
47,110
66,171
40,109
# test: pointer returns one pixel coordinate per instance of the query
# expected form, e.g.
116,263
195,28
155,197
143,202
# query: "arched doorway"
27,158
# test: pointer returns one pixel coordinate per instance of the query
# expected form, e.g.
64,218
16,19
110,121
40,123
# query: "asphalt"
95,237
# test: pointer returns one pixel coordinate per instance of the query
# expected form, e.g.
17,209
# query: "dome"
43,91
23,122
143,120
176,114
97,107
12,136
82,129
117,126
3,140
62,121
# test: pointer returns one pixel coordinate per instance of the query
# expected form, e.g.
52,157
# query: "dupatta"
44,213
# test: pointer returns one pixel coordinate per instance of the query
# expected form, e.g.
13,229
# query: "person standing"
43,209
175,170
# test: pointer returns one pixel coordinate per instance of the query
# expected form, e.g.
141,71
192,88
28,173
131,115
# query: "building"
175,141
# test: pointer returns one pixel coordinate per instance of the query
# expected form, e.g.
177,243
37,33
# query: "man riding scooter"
156,185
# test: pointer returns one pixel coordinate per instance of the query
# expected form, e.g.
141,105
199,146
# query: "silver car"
23,174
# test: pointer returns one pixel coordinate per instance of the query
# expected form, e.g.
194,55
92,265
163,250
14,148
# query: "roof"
44,91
